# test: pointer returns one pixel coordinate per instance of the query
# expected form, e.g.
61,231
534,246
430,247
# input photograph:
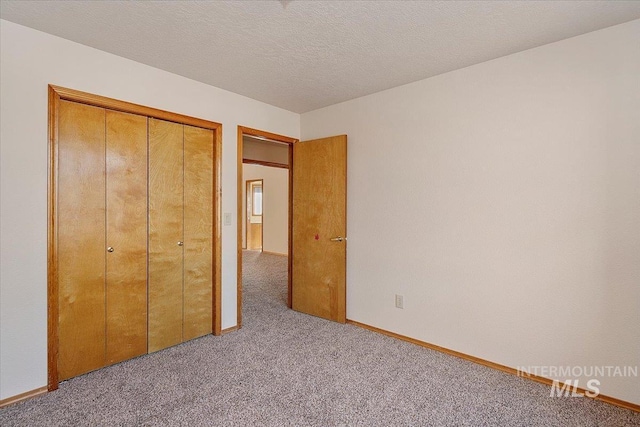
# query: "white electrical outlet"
227,218
399,301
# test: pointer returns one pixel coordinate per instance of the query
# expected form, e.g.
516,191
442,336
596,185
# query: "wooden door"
198,232
126,219
81,238
166,235
320,227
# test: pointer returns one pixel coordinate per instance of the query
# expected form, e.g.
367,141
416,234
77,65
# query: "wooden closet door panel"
81,238
198,232
126,289
165,233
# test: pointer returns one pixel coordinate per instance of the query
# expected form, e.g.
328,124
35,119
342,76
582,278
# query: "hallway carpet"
288,369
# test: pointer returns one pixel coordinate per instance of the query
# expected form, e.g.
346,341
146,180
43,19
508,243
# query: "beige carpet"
287,369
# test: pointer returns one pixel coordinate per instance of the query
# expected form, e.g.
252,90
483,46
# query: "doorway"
253,224
261,140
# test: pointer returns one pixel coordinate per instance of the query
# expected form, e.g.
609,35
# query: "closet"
135,235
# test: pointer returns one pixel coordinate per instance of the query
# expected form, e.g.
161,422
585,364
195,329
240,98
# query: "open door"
320,227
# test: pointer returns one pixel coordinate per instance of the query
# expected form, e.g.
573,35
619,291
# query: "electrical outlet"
399,301
227,218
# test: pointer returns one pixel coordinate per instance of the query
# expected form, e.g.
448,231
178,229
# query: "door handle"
338,239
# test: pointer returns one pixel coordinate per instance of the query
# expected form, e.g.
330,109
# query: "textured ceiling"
303,55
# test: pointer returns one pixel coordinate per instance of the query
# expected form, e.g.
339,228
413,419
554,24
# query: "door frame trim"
242,131
57,94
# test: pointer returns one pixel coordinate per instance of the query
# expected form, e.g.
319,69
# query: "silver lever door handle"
338,239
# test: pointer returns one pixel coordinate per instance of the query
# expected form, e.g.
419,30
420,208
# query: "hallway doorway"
253,224
264,157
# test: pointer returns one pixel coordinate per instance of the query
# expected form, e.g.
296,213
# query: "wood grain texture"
52,245
290,233
81,239
239,218
263,163
165,231
267,135
254,233
126,290
198,231
23,396
319,213
56,96
217,229
128,107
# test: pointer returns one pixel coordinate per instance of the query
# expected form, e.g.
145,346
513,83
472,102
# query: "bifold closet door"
134,235
166,235
126,266
81,239
198,232
102,237
180,233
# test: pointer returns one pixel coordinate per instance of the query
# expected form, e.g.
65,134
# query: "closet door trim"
56,94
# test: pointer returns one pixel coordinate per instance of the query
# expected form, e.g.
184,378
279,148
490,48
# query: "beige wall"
275,200
30,60
503,201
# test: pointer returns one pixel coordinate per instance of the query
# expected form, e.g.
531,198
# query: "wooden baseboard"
23,396
229,330
274,253
503,368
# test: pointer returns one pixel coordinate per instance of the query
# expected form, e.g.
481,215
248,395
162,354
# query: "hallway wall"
275,194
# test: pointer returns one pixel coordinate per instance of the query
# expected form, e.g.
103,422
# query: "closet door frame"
56,94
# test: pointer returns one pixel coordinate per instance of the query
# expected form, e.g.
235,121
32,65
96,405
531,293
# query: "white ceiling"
304,55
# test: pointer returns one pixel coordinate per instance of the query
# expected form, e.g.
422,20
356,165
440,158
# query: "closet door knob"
180,243
109,249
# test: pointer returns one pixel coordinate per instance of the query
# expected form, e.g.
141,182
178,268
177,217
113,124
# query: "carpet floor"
284,368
